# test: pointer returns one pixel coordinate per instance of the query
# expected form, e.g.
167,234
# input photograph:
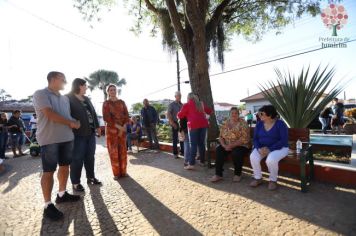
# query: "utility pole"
178,72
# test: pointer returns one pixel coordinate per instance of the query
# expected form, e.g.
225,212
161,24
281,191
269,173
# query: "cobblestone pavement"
160,198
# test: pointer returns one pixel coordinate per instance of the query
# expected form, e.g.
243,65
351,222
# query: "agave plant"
299,100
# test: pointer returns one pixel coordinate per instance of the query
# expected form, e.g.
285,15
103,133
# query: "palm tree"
299,100
102,78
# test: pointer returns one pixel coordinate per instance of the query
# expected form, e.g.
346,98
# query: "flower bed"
335,156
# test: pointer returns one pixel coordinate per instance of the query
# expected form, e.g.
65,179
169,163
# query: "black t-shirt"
325,113
89,114
19,125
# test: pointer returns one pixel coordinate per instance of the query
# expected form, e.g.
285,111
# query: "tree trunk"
198,68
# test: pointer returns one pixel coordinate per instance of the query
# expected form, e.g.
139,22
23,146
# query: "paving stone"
161,198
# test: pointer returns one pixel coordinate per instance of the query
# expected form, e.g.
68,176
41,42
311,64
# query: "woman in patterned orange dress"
116,117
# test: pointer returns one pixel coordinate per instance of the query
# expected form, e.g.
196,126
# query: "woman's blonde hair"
197,102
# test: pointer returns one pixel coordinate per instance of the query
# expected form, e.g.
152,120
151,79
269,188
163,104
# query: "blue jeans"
197,140
3,144
186,148
324,124
83,153
129,138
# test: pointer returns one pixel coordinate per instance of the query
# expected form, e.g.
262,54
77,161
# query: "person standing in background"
16,128
33,123
149,121
249,118
172,112
337,120
195,112
324,118
3,135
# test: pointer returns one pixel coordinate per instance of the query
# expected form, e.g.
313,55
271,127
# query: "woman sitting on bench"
270,140
136,133
235,139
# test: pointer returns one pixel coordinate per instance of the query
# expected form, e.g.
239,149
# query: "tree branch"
214,21
177,25
151,7
194,16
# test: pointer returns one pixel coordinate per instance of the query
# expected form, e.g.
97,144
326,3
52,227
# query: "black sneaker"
94,181
67,198
52,212
78,188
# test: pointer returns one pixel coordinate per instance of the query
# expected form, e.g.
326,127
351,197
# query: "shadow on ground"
324,205
12,176
164,221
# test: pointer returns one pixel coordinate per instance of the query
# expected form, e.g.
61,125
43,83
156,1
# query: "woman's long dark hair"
77,82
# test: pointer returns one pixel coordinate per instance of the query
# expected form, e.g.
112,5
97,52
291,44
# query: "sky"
39,36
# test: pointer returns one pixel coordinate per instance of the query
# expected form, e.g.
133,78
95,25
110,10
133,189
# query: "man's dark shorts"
16,140
56,154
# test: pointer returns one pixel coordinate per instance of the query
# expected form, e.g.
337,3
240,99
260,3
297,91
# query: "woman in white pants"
270,140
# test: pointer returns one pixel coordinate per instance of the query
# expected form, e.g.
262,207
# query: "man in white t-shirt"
33,123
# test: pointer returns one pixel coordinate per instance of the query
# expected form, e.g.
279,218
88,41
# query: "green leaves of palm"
299,100
102,78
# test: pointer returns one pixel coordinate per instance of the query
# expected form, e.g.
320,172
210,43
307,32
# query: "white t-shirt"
33,123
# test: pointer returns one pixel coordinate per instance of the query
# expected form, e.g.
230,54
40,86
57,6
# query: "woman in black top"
84,137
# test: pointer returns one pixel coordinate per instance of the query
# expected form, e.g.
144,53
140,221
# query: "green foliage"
160,108
102,78
242,107
137,107
91,8
248,18
164,133
4,96
299,100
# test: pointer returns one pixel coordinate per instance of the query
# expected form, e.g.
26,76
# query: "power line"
273,60
79,36
254,65
165,88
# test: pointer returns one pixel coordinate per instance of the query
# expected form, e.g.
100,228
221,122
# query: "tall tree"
196,26
4,96
136,107
102,78
160,108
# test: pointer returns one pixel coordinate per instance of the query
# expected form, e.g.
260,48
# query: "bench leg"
311,165
303,180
